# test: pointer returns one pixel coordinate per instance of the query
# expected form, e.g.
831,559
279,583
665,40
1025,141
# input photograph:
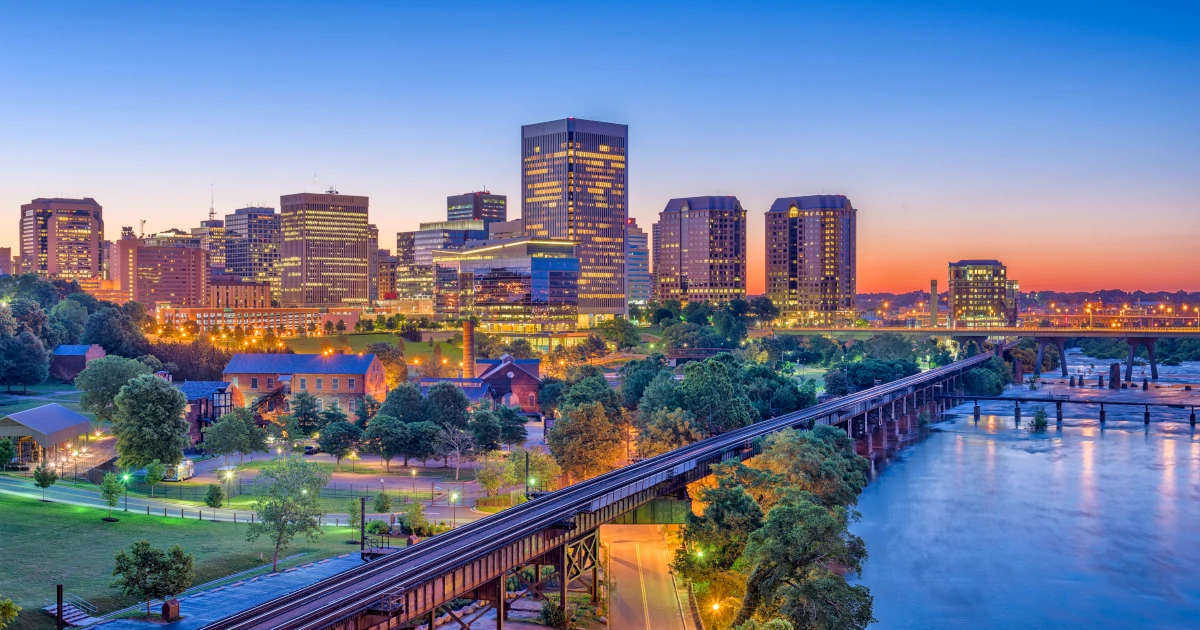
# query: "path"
645,595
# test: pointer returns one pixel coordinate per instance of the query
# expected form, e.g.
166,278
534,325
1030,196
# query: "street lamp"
454,507
125,480
414,480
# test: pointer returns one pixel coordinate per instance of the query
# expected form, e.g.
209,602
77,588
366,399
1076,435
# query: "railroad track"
338,597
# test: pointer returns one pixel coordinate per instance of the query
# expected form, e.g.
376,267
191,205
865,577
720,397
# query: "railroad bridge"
412,586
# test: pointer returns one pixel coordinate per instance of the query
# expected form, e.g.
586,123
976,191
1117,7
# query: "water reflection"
984,525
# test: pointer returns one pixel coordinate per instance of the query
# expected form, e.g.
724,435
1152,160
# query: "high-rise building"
811,259
373,263
252,239
574,186
385,275
226,291
700,250
638,286
212,238
477,206
980,294
326,249
506,230
60,238
154,271
6,263
405,247
445,235
527,285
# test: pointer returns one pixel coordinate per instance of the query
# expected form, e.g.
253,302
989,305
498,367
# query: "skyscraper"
405,247
60,238
252,238
637,263
326,250
167,270
811,259
445,235
479,206
212,238
700,250
574,186
980,294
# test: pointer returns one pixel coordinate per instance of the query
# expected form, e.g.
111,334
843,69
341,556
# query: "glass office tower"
574,186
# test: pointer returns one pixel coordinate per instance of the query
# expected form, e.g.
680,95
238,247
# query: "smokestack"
468,349
933,304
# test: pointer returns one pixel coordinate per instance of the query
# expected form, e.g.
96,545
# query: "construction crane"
142,229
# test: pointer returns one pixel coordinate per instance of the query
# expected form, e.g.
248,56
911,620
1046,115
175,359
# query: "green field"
359,342
51,543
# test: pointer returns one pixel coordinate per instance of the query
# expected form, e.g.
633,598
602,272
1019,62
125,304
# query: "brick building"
344,378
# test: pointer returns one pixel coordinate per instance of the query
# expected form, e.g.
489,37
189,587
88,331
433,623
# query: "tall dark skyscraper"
477,206
700,250
252,238
574,186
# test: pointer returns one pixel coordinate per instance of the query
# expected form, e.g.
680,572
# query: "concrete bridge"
411,587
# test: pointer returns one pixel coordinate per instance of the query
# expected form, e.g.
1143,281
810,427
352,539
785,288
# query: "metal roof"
195,390
72,349
711,202
48,425
299,364
811,202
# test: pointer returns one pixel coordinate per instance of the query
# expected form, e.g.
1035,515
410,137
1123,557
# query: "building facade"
441,235
405,248
812,259
701,250
226,291
980,294
252,238
290,322
638,284
6,262
326,250
520,286
212,238
340,378
153,273
574,186
506,230
60,238
477,206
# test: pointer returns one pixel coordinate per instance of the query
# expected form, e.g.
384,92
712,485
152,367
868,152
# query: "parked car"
311,449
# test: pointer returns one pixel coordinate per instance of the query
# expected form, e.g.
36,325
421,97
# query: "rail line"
337,597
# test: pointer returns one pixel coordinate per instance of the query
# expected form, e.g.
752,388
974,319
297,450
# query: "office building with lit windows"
441,235
980,294
477,206
60,238
405,248
523,285
574,186
326,249
212,238
161,272
812,259
638,286
252,238
700,250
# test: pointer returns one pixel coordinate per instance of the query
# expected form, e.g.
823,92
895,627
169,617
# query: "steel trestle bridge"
411,586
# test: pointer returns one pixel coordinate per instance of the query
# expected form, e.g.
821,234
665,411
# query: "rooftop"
195,390
299,364
77,350
711,202
811,202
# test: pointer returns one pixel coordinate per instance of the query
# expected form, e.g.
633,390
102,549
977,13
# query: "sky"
1060,138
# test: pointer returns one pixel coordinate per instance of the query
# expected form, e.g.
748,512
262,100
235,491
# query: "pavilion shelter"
44,432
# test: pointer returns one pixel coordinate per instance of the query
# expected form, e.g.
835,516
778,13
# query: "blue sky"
1062,138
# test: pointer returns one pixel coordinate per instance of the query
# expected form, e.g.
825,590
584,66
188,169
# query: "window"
320,403
270,382
350,384
336,383
320,384
303,384
352,404
253,382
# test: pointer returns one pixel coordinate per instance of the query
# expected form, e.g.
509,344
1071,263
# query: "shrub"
378,528
1040,421
552,616
983,381
923,417
383,503
215,496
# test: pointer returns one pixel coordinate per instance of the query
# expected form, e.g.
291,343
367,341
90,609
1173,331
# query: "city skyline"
944,127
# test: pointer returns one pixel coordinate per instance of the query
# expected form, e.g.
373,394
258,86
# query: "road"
645,594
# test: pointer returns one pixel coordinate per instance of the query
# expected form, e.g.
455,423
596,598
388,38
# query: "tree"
148,573
708,393
437,366
155,472
30,317
8,612
763,309
406,404
288,503
492,476
448,408
305,412
636,375
512,426
485,431
425,442
836,383
584,442
550,392
339,439
102,380
387,437
822,462
1040,421
544,471
366,410
620,331
519,348
382,504
66,322
44,477
110,491
226,436
666,431
332,414
28,360
7,452
256,436
354,511
115,331
590,390
214,495
793,558
395,370
663,392
715,540
150,423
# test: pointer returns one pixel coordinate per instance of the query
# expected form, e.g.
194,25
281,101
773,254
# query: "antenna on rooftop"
142,229
212,214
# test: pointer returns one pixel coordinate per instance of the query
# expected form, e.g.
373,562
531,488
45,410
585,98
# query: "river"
985,525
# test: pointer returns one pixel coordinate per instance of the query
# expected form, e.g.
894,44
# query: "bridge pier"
1134,342
1017,413
1192,418
976,411
1059,343
1101,413
1058,412
1146,417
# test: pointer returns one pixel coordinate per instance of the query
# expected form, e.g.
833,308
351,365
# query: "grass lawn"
399,472
359,342
51,543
